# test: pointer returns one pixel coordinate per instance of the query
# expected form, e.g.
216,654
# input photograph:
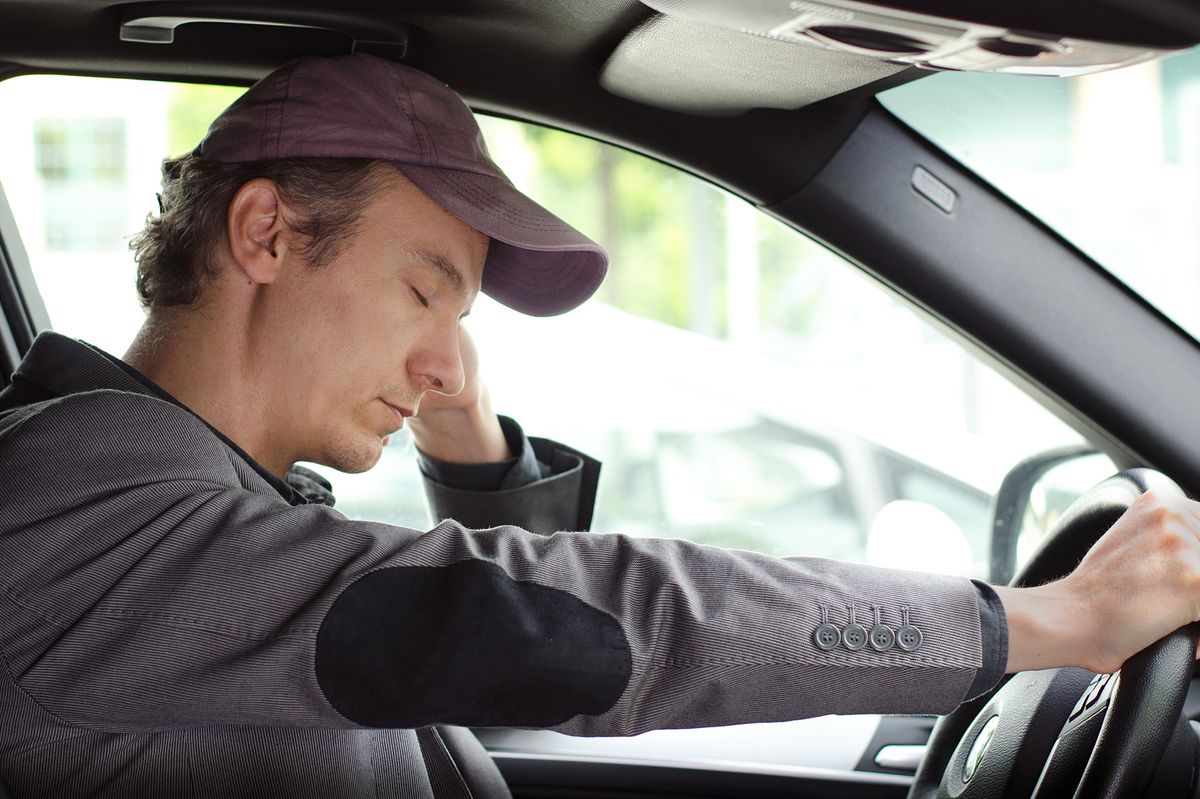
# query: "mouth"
398,412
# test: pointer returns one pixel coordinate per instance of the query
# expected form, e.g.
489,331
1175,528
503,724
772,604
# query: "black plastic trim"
1003,281
157,22
1013,498
579,779
16,330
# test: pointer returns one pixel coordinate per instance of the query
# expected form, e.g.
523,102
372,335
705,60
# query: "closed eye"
421,298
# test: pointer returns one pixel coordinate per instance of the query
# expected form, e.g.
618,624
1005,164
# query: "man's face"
367,335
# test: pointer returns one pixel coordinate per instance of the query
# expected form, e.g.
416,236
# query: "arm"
482,470
461,428
544,488
150,589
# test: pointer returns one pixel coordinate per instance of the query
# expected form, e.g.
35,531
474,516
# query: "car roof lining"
700,69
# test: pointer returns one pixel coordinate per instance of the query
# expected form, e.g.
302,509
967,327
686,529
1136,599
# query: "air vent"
867,40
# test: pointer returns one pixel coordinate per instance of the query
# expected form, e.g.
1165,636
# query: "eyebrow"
443,267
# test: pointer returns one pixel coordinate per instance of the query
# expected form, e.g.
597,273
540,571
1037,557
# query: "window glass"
1111,160
1052,494
959,504
742,385
765,486
81,166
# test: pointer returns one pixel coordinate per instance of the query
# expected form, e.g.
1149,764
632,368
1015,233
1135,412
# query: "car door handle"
156,23
905,757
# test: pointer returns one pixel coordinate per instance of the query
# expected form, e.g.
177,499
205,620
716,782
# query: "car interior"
798,111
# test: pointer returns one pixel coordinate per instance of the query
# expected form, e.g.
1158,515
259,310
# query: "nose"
438,364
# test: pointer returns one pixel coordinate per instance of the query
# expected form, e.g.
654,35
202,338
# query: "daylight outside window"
742,385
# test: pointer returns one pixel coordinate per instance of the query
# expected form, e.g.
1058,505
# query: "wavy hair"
175,251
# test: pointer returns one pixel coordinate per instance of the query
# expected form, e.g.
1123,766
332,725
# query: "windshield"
1111,161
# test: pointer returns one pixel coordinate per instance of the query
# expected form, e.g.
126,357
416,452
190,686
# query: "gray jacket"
171,624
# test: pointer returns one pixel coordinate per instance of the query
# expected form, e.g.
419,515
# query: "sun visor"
906,37
700,69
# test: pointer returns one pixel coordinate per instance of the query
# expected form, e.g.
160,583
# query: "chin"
353,457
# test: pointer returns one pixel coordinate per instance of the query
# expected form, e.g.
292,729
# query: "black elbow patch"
466,644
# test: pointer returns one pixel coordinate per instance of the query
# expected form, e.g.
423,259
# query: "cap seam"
286,92
266,123
404,101
474,195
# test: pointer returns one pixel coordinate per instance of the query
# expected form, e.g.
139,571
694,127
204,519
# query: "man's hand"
1138,583
461,428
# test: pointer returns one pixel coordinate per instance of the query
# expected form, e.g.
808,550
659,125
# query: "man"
185,615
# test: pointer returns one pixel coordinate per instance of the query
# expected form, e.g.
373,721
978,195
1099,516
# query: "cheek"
374,352
369,324
357,338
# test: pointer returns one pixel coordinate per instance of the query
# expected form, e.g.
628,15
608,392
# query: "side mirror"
908,534
1032,495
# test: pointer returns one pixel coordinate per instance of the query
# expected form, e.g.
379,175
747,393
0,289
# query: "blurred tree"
663,240
665,233
191,109
794,284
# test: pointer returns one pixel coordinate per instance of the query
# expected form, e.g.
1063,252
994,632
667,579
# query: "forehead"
408,220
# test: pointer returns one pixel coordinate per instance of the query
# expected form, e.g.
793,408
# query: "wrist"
1049,626
470,434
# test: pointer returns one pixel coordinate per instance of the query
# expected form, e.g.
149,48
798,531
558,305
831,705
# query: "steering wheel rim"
1145,705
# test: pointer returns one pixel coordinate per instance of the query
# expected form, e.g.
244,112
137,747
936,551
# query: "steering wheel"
1064,732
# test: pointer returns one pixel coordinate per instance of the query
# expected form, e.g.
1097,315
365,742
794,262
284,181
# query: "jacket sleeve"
546,488
146,588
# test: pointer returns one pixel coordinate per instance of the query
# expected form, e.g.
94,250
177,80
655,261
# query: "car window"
1052,494
742,385
1111,160
967,506
766,487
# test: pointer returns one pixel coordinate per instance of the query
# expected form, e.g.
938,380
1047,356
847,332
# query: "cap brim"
536,264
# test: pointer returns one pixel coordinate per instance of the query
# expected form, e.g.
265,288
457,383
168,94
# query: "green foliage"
563,155
664,231
793,283
646,215
191,109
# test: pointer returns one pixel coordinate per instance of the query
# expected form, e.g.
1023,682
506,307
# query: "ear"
255,224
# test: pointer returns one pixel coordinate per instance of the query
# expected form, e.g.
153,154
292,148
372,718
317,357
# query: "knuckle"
1189,580
1161,516
1170,540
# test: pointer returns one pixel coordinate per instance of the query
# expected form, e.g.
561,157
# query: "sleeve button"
827,637
908,638
882,638
854,637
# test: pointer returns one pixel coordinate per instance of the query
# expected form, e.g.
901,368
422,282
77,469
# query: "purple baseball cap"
362,106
